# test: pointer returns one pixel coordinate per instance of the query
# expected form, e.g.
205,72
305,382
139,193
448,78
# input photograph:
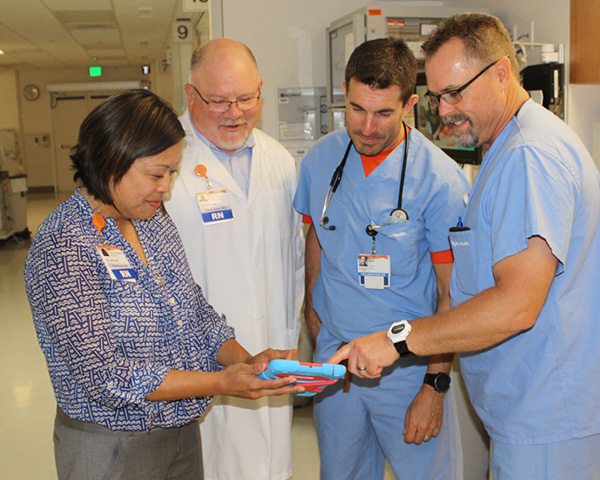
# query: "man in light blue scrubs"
527,266
377,249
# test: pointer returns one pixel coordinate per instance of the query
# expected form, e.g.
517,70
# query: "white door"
67,116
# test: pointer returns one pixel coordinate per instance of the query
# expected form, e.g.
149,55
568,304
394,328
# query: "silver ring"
361,369
426,437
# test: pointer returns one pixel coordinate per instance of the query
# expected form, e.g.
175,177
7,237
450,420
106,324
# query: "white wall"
550,18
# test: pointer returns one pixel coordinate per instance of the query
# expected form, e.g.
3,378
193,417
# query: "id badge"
215,206
116,263
373,271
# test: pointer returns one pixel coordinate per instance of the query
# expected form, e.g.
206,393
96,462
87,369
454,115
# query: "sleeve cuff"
444,256
307,219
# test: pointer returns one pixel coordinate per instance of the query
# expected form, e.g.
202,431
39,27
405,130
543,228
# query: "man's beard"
235,143
466,139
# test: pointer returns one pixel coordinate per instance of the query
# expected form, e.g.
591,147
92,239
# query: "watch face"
442,382
396,329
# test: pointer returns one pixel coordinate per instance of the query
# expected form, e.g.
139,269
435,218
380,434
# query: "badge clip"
200,170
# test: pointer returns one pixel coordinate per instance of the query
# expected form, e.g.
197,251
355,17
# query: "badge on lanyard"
116,263
373,270
215,206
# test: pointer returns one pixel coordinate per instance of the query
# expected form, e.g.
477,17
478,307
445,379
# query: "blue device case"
313,376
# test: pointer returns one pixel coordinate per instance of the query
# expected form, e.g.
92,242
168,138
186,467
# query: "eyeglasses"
452,97
222,106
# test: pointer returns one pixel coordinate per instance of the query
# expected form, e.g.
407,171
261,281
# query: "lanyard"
336,178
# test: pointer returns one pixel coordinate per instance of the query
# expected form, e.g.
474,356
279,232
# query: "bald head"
222,49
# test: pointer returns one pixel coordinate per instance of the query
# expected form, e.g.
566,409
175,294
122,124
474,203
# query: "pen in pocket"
459,226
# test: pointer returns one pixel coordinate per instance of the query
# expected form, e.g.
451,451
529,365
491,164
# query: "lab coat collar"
260,164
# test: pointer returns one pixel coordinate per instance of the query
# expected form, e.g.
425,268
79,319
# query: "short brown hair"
484,37
384,62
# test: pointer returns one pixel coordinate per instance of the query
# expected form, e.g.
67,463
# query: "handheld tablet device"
314,377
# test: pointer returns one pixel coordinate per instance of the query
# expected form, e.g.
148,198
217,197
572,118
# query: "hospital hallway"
26,398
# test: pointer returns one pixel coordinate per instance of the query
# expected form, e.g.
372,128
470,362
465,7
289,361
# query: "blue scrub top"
433,198
543,384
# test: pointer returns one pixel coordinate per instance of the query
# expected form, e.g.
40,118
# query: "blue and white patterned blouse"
109,343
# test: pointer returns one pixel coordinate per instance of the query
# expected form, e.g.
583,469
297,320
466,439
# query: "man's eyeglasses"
452,97
222,106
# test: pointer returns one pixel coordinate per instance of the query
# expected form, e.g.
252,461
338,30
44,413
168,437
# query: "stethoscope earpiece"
324,221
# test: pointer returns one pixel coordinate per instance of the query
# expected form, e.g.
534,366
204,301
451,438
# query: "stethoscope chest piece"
399,214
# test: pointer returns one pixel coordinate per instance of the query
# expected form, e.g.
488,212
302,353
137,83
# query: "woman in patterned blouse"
134,351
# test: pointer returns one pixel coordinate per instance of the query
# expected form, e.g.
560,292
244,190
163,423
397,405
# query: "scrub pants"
360,429
577,459
88,451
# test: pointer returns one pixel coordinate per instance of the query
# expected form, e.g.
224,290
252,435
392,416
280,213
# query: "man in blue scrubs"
377,249
527,266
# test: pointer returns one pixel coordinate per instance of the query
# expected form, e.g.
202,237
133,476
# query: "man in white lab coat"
232,204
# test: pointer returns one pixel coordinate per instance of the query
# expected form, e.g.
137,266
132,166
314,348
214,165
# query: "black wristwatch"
397,333
439,381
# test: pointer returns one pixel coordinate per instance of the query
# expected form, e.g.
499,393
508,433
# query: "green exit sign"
95,71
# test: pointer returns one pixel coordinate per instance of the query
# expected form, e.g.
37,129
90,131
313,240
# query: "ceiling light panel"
145,12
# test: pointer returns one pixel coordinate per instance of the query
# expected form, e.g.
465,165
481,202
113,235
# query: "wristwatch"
398,333
439,381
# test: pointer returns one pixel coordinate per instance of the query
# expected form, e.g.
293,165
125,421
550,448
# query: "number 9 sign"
183,31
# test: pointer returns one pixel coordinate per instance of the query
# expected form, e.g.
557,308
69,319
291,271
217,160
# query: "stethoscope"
398,214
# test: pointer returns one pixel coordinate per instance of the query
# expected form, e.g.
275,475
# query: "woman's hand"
239,380
270,354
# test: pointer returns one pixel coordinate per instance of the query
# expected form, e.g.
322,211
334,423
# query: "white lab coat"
250,269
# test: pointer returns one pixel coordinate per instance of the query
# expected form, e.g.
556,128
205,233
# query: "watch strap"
437,381
403,350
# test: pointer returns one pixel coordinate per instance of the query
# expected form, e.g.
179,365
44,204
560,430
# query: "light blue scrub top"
433,198
542,385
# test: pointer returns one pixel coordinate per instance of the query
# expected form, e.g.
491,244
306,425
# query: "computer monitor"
429,123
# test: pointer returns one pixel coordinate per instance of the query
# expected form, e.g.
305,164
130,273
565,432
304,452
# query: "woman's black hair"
123,128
